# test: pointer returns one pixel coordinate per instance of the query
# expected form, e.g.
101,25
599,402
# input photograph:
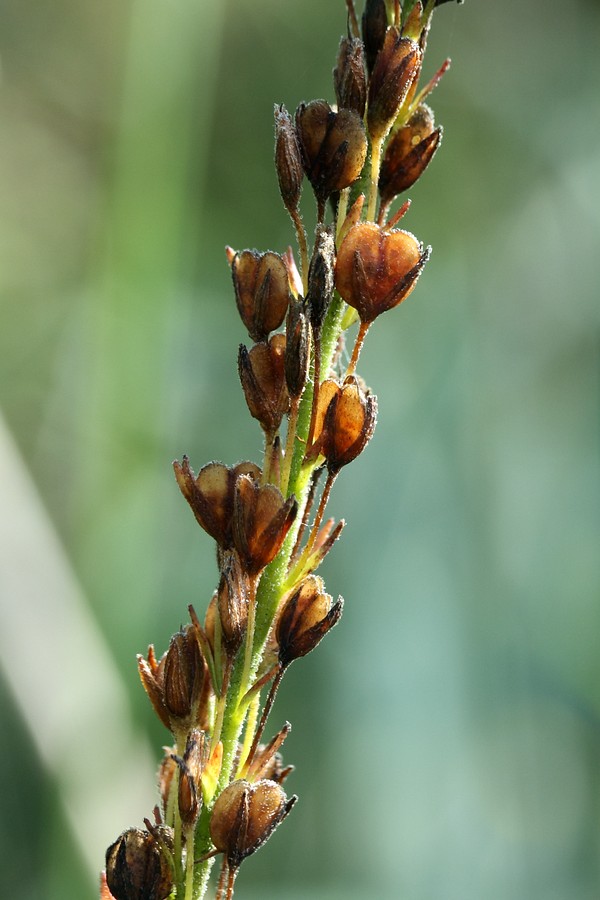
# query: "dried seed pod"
320,278
377,269
349,77
374,26
333,146
136,868
297,355
262,373
210,495
349,424
189,794
408,153
305,619
397,67
288,160
327,391
152,673
186,680
244,817
232,603
262,518
262,291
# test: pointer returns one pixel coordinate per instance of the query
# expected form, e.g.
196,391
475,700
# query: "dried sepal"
210,495
189,789
267,762
333,146
152,678
377,269
305,619
137,868
397,67
260,281
166,771
244,817
262,519
262,374
408,153
349,77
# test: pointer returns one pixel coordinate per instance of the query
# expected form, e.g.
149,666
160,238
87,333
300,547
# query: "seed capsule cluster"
220,786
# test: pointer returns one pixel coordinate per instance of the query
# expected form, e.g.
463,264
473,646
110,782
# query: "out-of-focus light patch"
62,675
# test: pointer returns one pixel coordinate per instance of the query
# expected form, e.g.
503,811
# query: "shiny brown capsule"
397,66
288,160
333,146
185,679
262,293
408,153
348,425
262,374
210,495
376,269
245,816
374,27
262,519
349,77
305,619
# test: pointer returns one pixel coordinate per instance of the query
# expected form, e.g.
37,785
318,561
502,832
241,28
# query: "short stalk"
358,344
375,166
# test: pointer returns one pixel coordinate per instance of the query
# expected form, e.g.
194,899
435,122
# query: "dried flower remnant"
220,783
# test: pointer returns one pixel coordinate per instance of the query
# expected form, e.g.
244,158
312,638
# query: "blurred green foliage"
447,736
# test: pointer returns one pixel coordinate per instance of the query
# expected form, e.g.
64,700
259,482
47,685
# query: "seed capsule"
349,78
185,679
136,869
297,355
349,424
262,291
244,817
408,153
374,26
377,269
396,68
232,603
262,518
262,373
320,278
305,619
210,495
288,160
333,146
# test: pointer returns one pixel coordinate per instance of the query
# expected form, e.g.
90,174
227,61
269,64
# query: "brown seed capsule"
244,817
232,603
136,868
349,77
262,291
210,495
377,269
349,424
288,160
189,796
263,379
305,619
152,674
320,278
185,680
398,65
408,153
333,146
262,518
297,355
374,26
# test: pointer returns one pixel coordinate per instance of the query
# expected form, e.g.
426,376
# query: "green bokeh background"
447,735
